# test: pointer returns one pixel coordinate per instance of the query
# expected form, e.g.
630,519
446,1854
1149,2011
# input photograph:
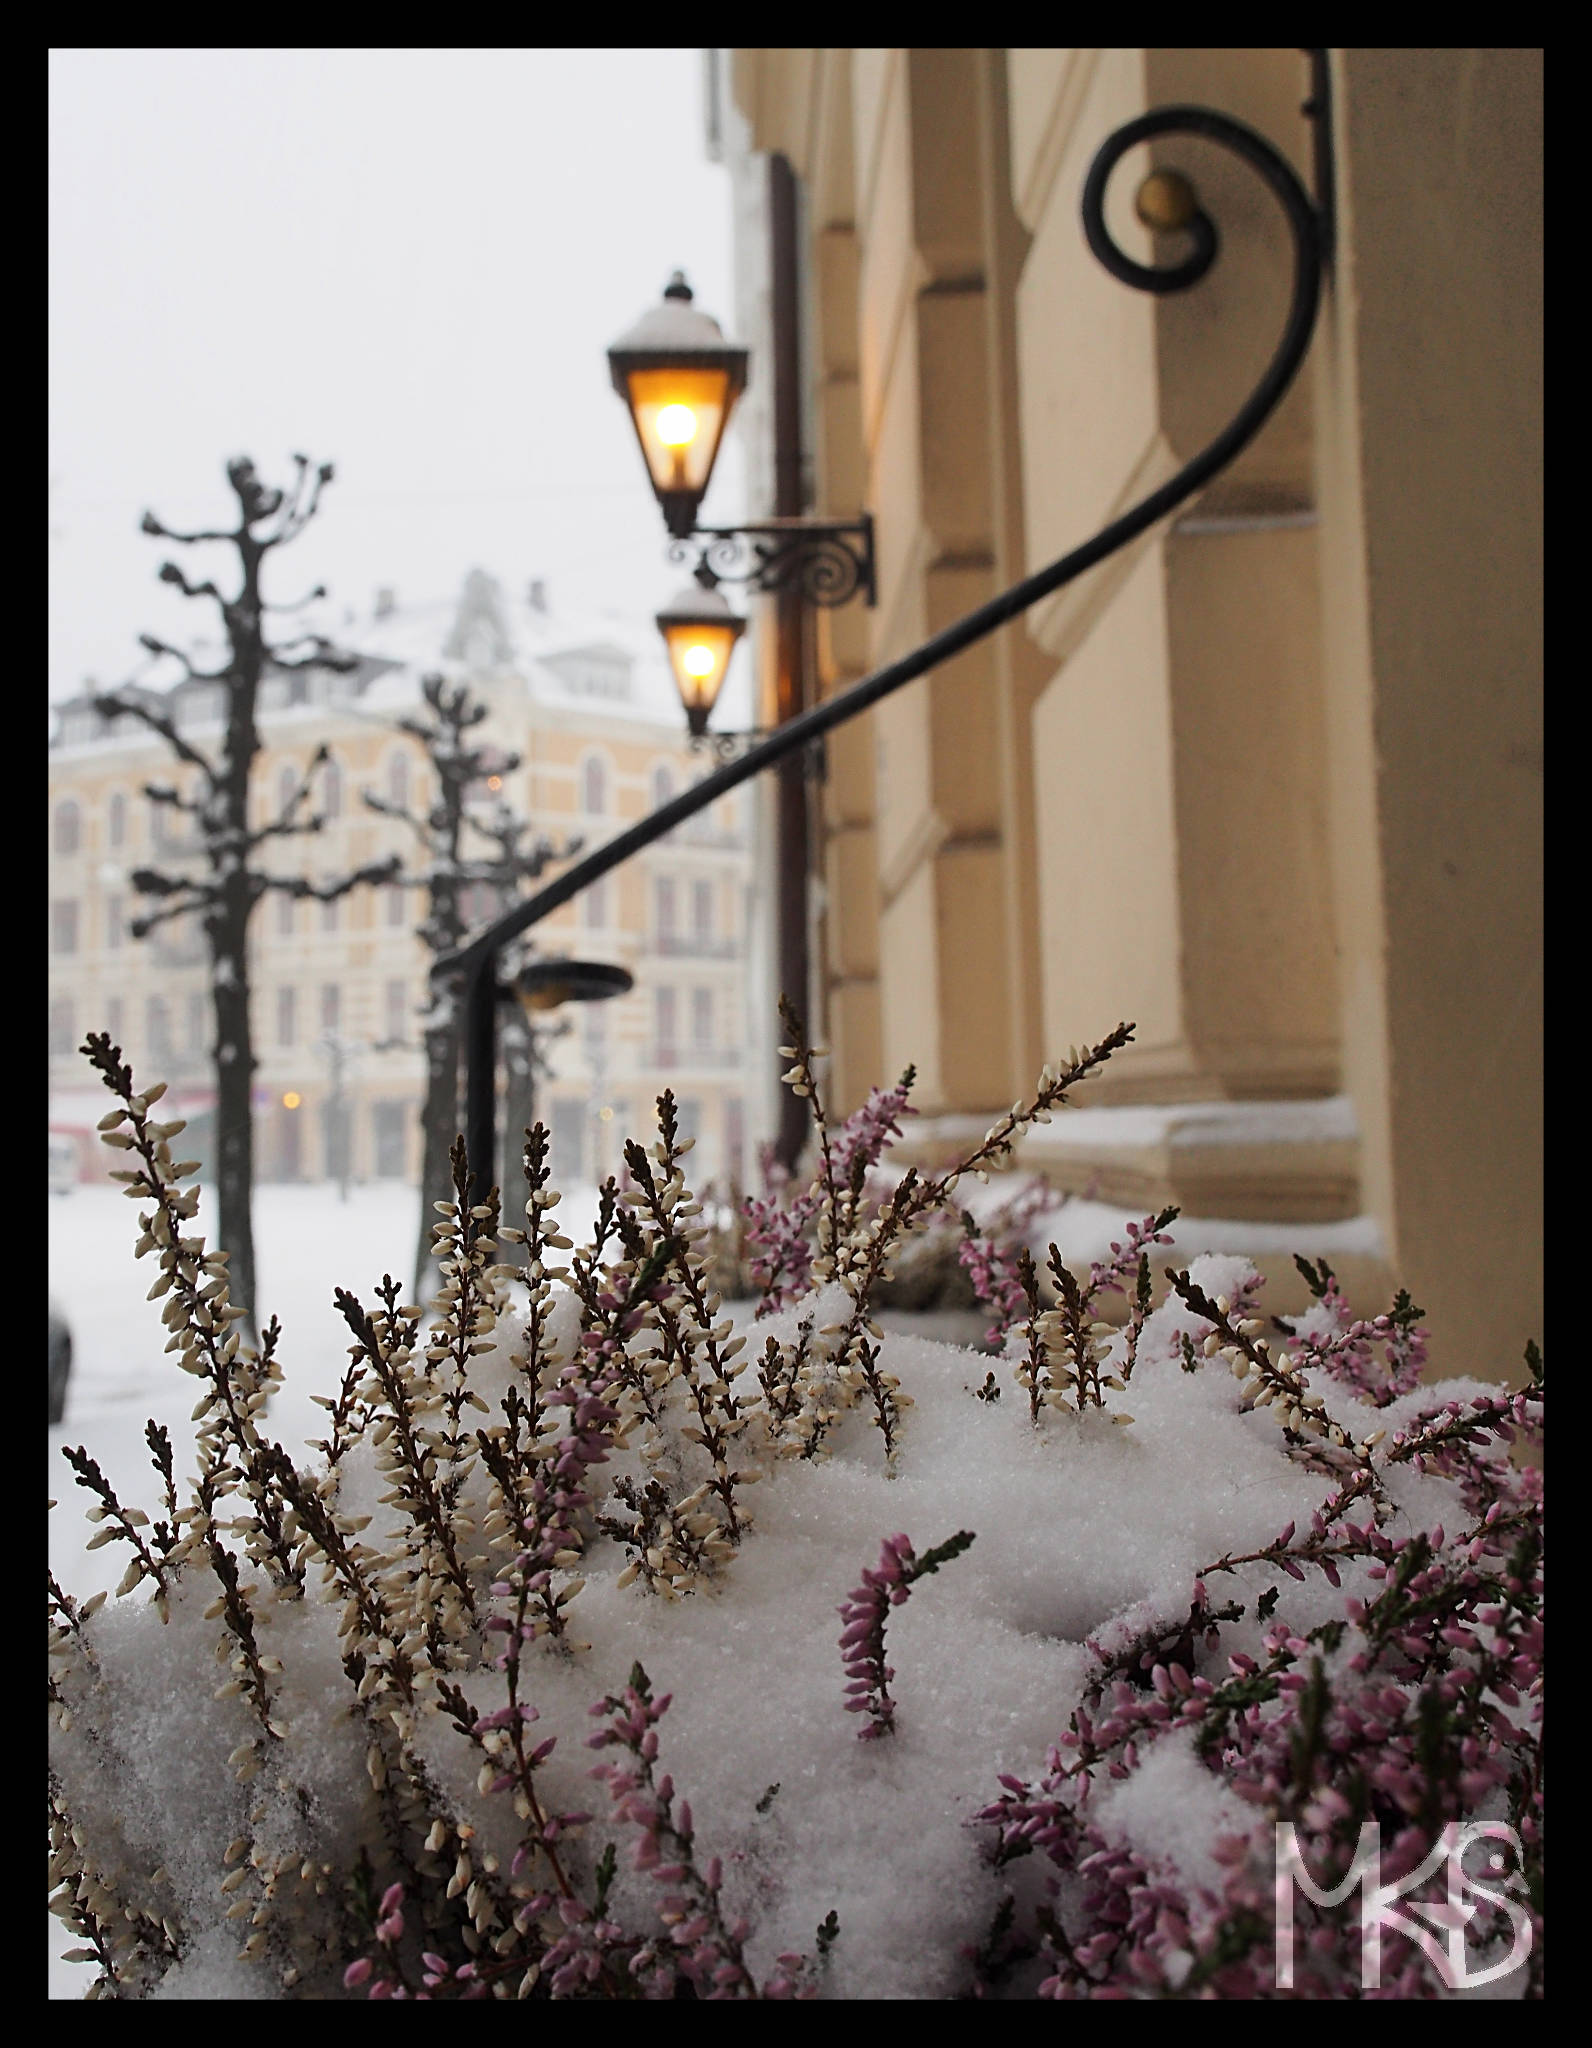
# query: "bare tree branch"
374,872
151,882
419,826
141,927
192,674
167,793
169,572
299,603
151,524
130,707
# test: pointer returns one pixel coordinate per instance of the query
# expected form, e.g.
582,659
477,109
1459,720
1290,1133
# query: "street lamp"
544,985
680,379
700,632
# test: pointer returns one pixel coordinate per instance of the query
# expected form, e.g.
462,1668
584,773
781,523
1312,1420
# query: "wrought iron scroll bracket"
827,561
471,970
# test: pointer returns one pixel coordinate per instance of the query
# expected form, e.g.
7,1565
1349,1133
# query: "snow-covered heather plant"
504,1690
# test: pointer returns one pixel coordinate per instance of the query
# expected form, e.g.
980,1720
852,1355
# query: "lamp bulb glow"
698,661
677,426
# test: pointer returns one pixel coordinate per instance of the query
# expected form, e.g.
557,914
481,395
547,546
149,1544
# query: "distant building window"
569,1139
157,1028
63,926
63,1034
331,1005
113,1018
196,1021
388,1123
662,786
115,922
284,915
286,1015
702,909
68,826
287,782
397,1010
116,819
663,896
398,779
702,1017
664,1014
594,786
329,914
594,907
331,790
395,906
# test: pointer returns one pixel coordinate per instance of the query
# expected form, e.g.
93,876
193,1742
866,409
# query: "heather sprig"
863,1616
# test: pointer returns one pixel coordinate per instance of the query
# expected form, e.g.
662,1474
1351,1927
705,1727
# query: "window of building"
284,915
287,782
397,1010
68,826
662,785
702,910
116,818
664,1016
63,1032
395,905
113,1018
331,790
594,907
115,922
398,779
388,1125
330,914
594,786
157,1028
331,1006
196,1020
688,1118
286,1015
569,1138
63,925
663,898
734,1140
702,1017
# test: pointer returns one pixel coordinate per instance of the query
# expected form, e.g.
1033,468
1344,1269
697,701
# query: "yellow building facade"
338,989
1268,782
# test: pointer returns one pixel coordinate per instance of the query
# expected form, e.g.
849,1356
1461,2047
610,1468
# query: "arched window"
331,790
116,818
594,786
68,826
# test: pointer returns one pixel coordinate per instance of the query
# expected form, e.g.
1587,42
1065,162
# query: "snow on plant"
507,1691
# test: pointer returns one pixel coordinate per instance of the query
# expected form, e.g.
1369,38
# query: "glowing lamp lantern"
700,632
680,378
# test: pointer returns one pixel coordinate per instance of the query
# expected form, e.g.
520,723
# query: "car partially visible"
60,1361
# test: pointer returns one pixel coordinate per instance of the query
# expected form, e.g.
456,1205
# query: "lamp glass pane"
679,415
699,655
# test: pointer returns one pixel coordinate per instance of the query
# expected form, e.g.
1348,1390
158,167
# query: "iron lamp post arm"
473,965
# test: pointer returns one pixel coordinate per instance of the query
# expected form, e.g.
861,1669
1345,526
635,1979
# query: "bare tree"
464,888
224,891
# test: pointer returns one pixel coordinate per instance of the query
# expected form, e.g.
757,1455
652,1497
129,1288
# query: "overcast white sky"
408,262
